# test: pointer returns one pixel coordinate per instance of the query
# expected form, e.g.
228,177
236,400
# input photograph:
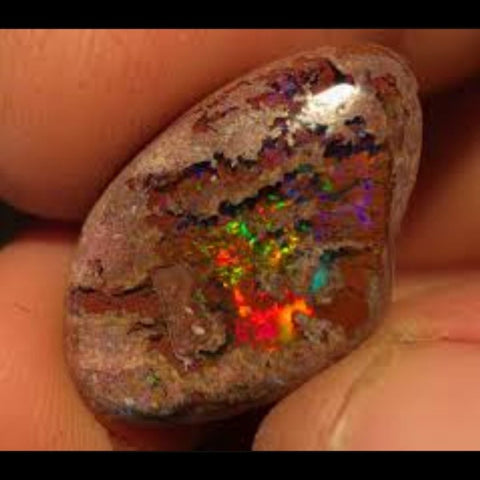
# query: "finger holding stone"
77,104
41,409
410,386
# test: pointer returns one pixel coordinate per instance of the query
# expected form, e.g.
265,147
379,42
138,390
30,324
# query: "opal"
249,246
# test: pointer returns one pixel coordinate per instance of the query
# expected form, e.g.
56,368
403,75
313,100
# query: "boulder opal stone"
249,246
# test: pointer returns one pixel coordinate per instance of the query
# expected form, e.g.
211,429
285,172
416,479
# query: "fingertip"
411,386
40,407
304,419
426,399
78,104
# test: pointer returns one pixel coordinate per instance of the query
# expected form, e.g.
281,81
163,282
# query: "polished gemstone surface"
249,246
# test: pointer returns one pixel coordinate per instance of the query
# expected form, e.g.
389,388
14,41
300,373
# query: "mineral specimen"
249,246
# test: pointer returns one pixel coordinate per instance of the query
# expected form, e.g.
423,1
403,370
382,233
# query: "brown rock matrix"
249,246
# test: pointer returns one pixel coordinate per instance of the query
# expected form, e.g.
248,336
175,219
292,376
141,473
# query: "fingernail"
249,246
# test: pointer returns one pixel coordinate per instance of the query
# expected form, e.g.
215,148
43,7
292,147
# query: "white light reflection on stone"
325,107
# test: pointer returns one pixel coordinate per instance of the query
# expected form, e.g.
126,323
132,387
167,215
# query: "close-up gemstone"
249,246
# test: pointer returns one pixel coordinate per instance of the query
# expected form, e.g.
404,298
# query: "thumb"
412,386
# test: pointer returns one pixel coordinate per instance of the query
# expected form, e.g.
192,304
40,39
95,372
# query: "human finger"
411,386
41,408
75,105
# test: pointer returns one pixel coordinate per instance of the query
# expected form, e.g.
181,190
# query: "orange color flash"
273,323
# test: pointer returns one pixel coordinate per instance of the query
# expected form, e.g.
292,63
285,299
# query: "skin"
76,105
